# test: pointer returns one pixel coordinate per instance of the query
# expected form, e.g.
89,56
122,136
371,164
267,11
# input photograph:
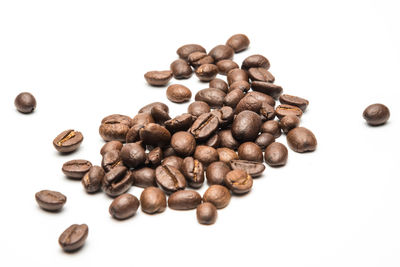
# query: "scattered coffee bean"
111,159
198,107
216,172
238,42
25,102
133,155
183,143
213,141
233,97
212,96
91,181
206,213
276,154
149,107
204,126
264,140
255,61
294,101
219,84
244,86
68,141
376,114
159,115
170,179
117,181
196,59
226,154
238,181
124,206
193,171
115,127
285,110
206,72
158,78
267,88
185,50
168,151
153,200
206,154
178,93
184,200
225,65
173,161
264,98
217,195
74,237
271,127
181,69
144,177
227,139
251,167
261,74
250,151
112,145
179,123
221,52
145,118
154,134
132,135
237,75
246,126
50,200
289,122
155,156
301,140
76,168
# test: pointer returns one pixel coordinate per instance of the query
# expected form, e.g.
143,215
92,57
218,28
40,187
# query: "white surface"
338,206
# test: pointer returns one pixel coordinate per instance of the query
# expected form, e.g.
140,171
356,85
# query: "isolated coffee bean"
206,213
206,72
264,140
244,86
50,200
68,141
76,168
227,139
144,177
294,101
238,42
183,143
173,161
376,114
219,84
117,181
216,172
267,88
225,65
198,107
179,123
74,237
237,75
193,171
276,154
149,107
181,69
213,141
25,102
159,115
145,118
250,151
170,179
226,154
178,93
251,167
205,154
124,206
261,74
132,135
289,122
185,50
238,181
115,127
155,156
111,159
246,126
271,127
158,78
301,140
217,195
111,145
196,59
133,155
221,52
286,110
153,200
212,96
233,97
155,135
184,200
92,180
255,61
204,126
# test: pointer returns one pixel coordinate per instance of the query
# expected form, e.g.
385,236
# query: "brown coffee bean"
237,75
246,126
252,103
197,59
153,200
301,140
111,159
206,213
213,141
205,154
180,123
76,168
206,72
132,135
267,88
115,127
212,96
50,200
25,102
158,78
244,86
227,115
198,107
91,181
217,195
68,141
144,177
159,115
216,172
183,143
170,179
261,74
185,50
133,155
149,107
299,102
145,118
221,52
117,181
238,181
124,206
219,84
289,122
181,69
225,65
233,97
154,134
250,151
155,156
173,161
204,126
168,151
74,237
286,110
264,98
264,140
376,114
184,200
226,154
227,139
251,167
238,42
267,112
178,93
271,127
112,145
276,154
255,61
193,171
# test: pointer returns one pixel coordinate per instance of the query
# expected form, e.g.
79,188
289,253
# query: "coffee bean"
271,127
168,151
289,122
233,97
115,127
250,151
246,126
155,156
111,159
180,123
183,143
227,139
267,112
285,110
264,98
255,61
133,155
244,86
264,140
206,213
149,107
170,179
159,115
185,50
132,135
117,181
25,102
252,103
111,145
76,168
144,177
196,59
153,200
154,134
376,114
221,52
206,72
213,141
294,101
267,88
238,181
91,181
226,154
145,118
206,154
237,75
198,107
225,65
173,161
193,171
301,140
158,78
212,96
261,74
204,126
68,141
226,118
219,84
178,93
124,206
276,154
184,200
74,237
238,42
251,167
181,69
217,195
216,172
50,200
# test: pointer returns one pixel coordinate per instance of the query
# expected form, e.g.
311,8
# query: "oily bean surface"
144,177
76,168
250,151
238,42
238,181
111,145
193,171
217,195
286,110
155,135
221,52
50,200
74,237
216,172
185,50
179,123
184,200
173,161
68,141
158,78
181,69
225,65
117,181
25,102
178,93
206,213
301,140
124,206
91,181
255,61
183,143
268,88
246,126
294,101
111,159
276,154
170,179
251,167
206,72
153,200
204,126
376,114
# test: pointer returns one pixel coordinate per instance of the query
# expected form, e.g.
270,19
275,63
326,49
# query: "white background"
84,60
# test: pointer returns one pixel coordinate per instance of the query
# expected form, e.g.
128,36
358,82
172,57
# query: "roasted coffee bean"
50,200
149,107
117,181
68,141
196,59
173,161
255,61
155,156
216,172
132,135
299,102
252,103
115,127
25,102
181,69
206,154
133,155
250,151
213,141
193,171
261,74
144,118
221,52
76,168
184,200
154,134
144,177
271,127
226,154
168,151
238,42
376,114
301,140
227,115
286,110
204,126
124,206
246,126
219,84
251,167
183,143
238,181
233,97
153,200
244,86
264,140
159,115
212,96
206,72
74,237
267,112
91,181
112,145
178,93
227,140
170,179
217,195
198,107
262,97
158,78
289,122
179,123
111,159
276,154
267,88
225,65
206,213
185,50
237,75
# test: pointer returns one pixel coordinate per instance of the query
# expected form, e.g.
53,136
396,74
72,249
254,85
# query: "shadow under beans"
50,211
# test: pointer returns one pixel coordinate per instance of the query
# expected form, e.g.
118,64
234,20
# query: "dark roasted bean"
155,156
212,96
221,52
206,154
115,127
226,154
225,65
124,206
251,167
185,50
91,181
198,107
238,42
178,93
184,200
250,151
154,134
294,101
181,69
301,140
158,78
133,155
204,126
111,159
285,110
68,141
238,181
144,177
196,59
289,122
218,195
246,126
117,181
276,154
170,179
173,161
267,88
237,75
153,200
376,114
111,145
179,123
219,84
74,237
206,72
206,213
149,107
264,140
216,172
255,61
25,102
76,168
50,200
233,97
193,171
183,143
261,74
227,139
